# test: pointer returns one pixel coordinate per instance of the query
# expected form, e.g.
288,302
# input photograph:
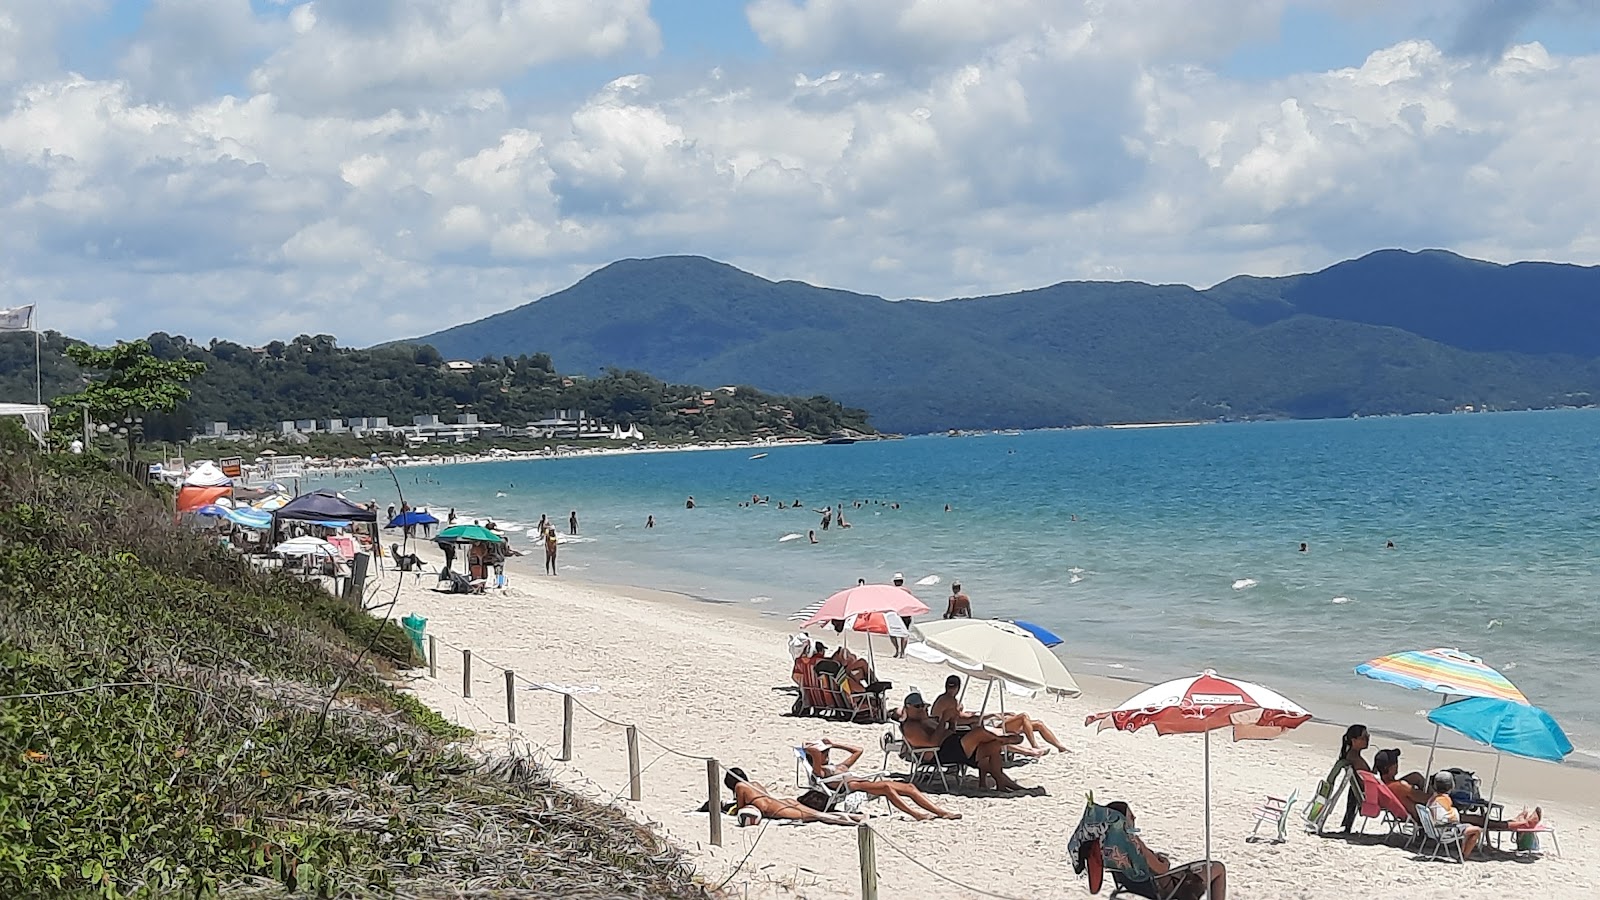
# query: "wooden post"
511,697
466,673
714,800
566,727
868,853
634,789
433,657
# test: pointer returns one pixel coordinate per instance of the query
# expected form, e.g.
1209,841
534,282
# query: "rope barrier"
937,874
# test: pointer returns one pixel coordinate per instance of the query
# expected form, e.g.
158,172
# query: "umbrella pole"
1208,814
1427,770
987,687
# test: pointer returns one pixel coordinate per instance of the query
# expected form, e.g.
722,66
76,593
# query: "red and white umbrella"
1205,703
867,598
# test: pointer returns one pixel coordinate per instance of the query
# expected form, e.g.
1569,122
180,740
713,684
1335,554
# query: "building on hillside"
305,426
214,429
459,365
334,426
424,421
467,419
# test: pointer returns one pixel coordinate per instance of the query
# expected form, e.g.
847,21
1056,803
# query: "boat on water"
759,456
840,437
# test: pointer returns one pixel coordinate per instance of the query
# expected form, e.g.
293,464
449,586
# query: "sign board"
281,467
232,466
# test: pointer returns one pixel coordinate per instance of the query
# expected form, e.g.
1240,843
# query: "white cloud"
383,179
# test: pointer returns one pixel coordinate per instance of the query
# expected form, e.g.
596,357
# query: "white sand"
698,678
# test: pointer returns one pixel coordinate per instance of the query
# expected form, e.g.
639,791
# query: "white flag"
17,318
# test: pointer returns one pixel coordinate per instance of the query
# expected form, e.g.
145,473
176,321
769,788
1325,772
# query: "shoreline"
698,680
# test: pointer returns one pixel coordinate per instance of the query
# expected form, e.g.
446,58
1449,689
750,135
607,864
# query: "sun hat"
899,577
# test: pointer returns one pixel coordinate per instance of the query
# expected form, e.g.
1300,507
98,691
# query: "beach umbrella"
865,598
887,624
994,649
412,517
306,546
213,509
1443,671
1205,703
250,518
1046,636
272,503
801,615
463,534
1519,729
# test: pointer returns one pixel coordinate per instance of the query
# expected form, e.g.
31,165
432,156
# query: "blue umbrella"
1514,728
1508,727
249,518
1046,636
412,517
212,509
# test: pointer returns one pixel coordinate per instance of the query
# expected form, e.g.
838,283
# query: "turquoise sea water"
1184,553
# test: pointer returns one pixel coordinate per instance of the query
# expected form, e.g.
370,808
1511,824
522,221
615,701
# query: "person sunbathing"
948,709
747,793
979,748
1167,880
853,665
1409,789
898,793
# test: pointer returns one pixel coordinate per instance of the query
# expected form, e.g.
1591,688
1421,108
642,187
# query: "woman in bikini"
747,793
898,793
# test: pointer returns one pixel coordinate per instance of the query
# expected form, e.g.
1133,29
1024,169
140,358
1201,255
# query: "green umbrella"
457,534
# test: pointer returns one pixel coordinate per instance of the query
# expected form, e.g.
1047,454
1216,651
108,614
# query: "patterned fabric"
1442,671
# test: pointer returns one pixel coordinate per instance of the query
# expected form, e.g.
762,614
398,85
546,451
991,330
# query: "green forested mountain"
311,377
1387,333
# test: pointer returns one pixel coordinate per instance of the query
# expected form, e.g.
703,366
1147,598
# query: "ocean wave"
928,579
1075,579
759,599
1368,706
1343,600
1074,571
791,536
1245,584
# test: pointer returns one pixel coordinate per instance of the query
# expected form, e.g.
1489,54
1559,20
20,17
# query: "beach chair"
864,706
1525,846
1378,802
806,779
1331,791
924,761
1101,844
1273,811
1443,837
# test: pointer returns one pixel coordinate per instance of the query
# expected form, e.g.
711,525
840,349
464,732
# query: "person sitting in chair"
1167,877
408,562
898,793
948,709
979,748
747,793
1409,789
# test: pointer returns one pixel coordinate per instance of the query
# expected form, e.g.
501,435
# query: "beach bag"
1467,788
852,802
814,799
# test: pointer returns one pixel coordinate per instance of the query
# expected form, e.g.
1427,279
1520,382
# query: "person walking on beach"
899,643
960,607
572,523
391,512
550,544
451,519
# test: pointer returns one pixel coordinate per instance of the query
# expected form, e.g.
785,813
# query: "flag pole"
38,367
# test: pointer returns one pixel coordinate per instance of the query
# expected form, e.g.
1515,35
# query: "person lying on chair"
409,562
979,748
747,793
948,709
898,793
1168,877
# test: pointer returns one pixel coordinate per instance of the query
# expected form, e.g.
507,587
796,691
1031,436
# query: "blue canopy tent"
412,517
324,506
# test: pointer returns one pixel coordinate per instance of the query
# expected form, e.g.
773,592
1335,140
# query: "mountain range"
1390,332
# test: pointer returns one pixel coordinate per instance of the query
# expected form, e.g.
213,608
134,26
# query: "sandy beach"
699,678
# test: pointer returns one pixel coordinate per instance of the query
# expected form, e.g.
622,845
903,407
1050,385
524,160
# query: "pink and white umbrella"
1205,703
867,598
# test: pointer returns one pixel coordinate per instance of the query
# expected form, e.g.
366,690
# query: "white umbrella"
306,545
999,650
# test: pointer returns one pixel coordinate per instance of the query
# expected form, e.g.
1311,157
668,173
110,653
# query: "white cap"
899,577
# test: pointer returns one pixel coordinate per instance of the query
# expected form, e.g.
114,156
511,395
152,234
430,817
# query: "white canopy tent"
35,417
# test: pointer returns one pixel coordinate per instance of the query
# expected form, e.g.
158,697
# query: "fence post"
634,791
714,800
433,657
566,727
511,697
466,673
868,851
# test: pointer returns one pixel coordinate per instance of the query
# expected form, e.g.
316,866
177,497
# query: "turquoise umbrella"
1509,727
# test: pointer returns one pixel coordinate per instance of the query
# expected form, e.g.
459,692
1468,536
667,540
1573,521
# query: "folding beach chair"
924,761
1273,811
1101,844
1443,837
1523,836
1331,791
1378,802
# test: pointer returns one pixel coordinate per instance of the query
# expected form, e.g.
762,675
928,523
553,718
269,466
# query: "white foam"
760,599
1075,579
1492,624
1115,666
1244,584
1368,706
1509,666
928,579
1343,600
1075,571
792,536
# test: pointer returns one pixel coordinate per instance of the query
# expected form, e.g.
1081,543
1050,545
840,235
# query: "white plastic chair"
1442,837
1273,811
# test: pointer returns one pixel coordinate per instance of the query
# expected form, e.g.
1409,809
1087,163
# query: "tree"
132,383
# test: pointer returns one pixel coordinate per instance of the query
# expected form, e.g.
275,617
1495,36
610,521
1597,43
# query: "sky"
379,169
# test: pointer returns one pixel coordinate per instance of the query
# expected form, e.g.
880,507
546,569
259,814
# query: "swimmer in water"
649,521
1304,547
1389,545
812,535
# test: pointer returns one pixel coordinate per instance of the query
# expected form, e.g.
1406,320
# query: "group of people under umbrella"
1486,708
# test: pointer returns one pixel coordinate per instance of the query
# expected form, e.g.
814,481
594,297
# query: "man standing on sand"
899,643
572,523
960,607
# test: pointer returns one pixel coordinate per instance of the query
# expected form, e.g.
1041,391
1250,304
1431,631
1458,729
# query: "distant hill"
1391,332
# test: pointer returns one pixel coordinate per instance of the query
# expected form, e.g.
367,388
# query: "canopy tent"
35,418
204,484
324,506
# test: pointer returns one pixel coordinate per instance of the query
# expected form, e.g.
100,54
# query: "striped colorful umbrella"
1442,671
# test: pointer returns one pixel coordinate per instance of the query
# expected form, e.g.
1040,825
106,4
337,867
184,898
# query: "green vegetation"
311,377
166,729
1391,332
